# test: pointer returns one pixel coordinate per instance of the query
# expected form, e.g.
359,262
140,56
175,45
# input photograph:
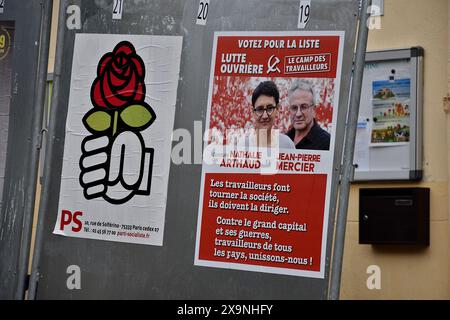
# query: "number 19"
304,13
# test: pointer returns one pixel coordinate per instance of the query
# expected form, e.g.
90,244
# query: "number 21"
117,6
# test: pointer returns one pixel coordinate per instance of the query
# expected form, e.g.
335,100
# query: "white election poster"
118,137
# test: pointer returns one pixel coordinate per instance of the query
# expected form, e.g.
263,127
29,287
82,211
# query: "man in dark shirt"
306,133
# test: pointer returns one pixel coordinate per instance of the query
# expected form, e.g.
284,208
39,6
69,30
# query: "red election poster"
267,165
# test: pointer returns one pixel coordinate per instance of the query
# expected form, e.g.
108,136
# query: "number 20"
203,12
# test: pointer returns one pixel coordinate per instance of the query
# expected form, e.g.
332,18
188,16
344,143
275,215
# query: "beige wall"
447,109
406,273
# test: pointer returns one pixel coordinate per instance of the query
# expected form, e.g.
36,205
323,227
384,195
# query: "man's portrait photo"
306,132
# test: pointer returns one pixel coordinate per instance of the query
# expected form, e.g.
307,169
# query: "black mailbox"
394,216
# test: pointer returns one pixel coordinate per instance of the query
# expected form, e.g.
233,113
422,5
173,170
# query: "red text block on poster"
277,56
263,220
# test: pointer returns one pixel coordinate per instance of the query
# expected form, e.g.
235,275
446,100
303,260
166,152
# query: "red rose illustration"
120,114
118,94
120,78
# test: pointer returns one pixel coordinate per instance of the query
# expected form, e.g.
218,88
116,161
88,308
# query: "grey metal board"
26,16
6,54
112,270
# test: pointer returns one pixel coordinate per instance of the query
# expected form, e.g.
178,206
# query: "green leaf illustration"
136,116
99,121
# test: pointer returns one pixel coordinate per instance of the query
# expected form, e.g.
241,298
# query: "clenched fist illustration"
115,163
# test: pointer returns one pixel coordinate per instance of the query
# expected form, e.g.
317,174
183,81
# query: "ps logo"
115,163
